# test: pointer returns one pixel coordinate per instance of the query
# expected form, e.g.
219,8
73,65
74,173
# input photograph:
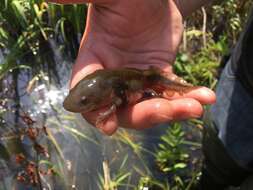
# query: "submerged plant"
173,157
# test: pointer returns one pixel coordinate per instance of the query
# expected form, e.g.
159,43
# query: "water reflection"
84,149
82,156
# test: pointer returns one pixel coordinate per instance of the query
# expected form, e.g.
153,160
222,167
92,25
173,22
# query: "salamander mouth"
71,106
77,107
68,106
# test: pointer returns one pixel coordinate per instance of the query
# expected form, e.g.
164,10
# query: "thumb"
86,63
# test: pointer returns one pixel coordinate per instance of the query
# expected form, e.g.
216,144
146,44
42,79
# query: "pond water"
81,155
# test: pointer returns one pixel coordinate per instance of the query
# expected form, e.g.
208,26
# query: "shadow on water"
80,154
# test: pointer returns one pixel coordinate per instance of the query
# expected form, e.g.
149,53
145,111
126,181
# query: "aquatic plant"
26,28
33,32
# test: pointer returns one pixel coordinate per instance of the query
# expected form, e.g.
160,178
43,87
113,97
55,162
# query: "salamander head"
84,97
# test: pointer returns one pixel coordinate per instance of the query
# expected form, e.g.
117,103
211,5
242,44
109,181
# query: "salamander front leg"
103,116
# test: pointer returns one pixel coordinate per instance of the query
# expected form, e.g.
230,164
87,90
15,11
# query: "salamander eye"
84,100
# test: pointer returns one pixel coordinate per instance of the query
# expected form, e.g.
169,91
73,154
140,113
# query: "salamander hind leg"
147,94
150,93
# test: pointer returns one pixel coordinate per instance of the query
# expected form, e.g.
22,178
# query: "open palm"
136,33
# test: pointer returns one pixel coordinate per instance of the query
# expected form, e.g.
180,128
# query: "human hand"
140,34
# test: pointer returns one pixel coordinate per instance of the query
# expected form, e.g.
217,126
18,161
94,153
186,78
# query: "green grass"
26,27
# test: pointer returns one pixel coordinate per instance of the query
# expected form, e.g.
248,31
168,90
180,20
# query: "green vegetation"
27,29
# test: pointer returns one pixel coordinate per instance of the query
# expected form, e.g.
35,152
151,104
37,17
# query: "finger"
156,111
108,127
86,63
201,94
